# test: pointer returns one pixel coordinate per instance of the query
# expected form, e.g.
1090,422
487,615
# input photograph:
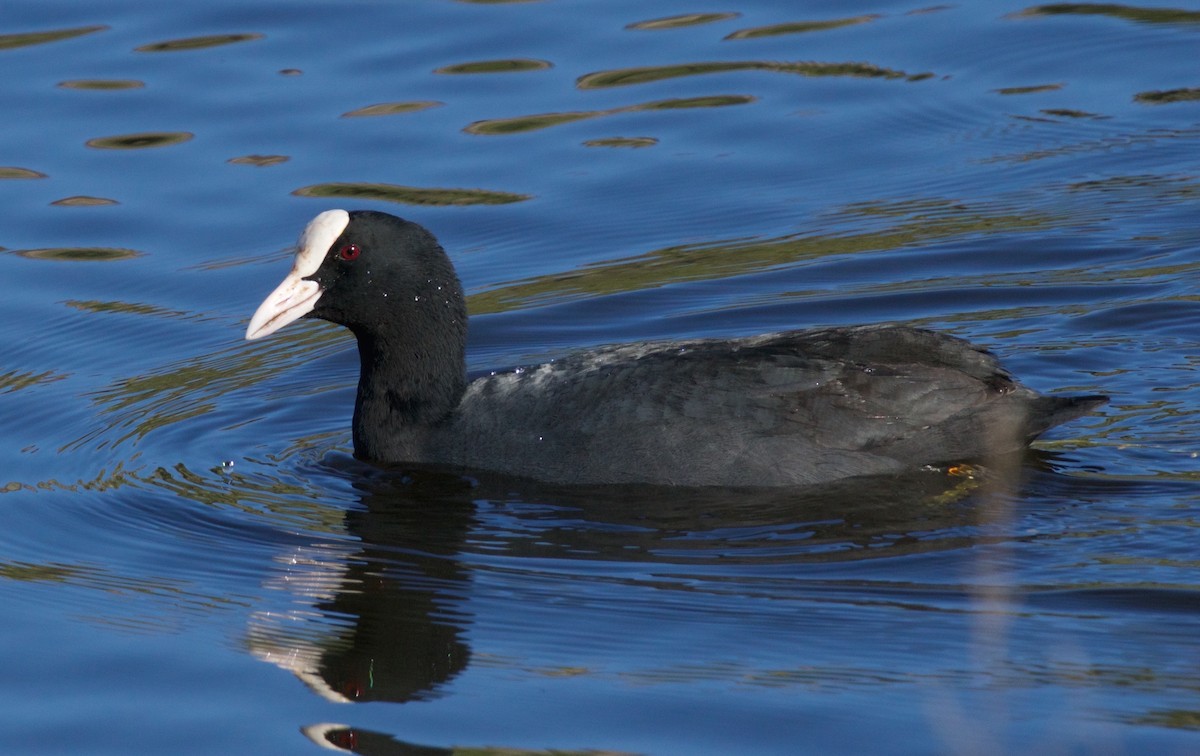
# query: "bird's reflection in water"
378,618
383,614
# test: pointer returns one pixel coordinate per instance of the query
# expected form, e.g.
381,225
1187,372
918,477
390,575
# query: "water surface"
192,561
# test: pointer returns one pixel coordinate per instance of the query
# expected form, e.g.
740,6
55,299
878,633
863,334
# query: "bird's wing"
804,405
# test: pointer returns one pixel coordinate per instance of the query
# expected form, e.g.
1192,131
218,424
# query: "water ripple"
102,85
410,195
392,108
681,21
197,43
508,65
11,172
645,74
78,254
521,124
1162,97
901,224
10,41
141,141
800,27
84,201
166,481
1114,10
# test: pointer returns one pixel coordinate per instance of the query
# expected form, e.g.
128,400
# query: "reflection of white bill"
317,732
297,636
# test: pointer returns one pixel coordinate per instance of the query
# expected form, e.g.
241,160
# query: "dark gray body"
792,408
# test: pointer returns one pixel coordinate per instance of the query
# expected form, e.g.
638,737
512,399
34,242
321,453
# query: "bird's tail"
1049,411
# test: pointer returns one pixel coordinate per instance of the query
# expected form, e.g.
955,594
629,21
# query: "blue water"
192,562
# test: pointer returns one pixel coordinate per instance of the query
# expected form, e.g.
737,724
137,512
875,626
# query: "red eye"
349,252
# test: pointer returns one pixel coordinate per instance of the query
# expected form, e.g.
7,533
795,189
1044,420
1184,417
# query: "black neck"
405,387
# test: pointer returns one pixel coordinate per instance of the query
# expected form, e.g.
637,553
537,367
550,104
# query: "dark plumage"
792,408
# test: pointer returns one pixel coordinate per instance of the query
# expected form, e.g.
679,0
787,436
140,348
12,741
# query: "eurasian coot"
794,408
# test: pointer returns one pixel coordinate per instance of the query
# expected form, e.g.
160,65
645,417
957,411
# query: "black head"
379,275
383,273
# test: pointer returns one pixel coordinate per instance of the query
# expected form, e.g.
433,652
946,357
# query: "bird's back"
789,408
